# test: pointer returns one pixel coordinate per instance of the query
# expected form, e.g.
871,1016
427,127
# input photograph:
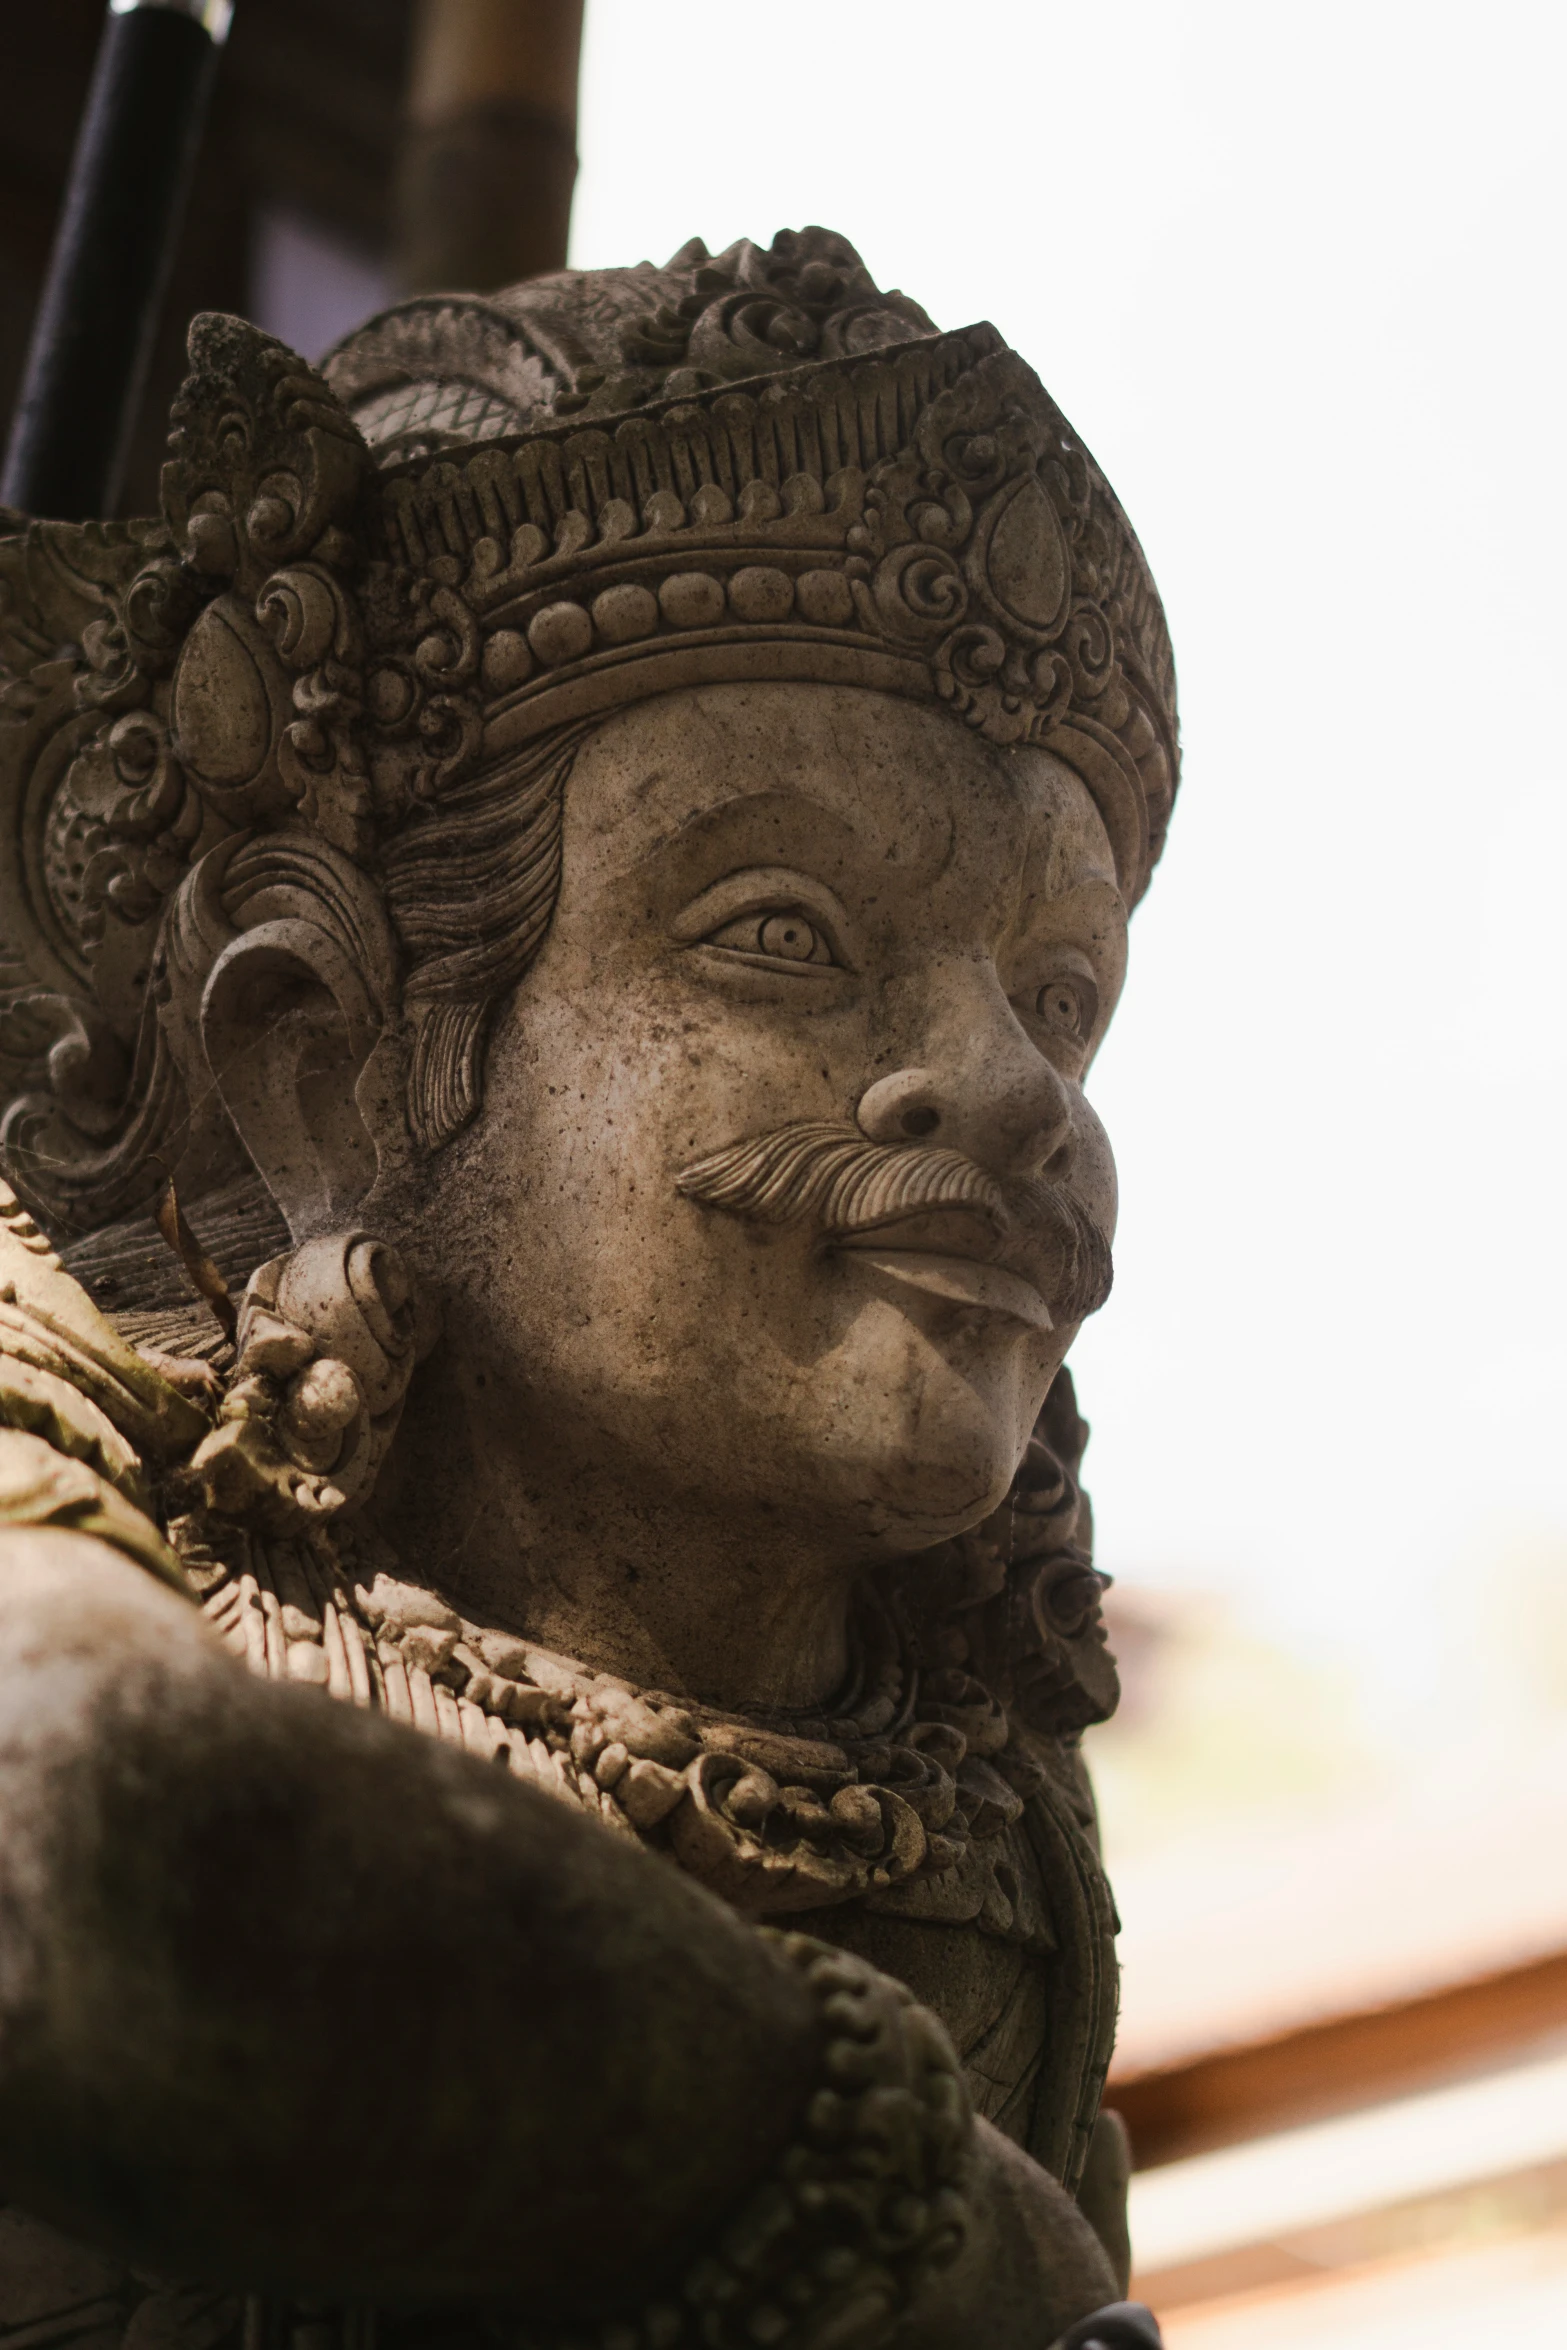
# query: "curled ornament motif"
969,539
308,617
128,784
265,467
316,630
1089,646
969,660
156,613
445,711
264,500
979,460
750,311
110,677
916,594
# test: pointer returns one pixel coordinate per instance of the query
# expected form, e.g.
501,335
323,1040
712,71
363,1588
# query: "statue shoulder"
87,1425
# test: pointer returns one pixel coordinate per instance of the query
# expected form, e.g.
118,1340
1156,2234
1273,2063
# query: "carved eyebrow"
1041,917
767,824
756,885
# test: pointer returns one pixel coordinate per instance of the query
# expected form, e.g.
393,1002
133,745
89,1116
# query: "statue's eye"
1069,1006
775,937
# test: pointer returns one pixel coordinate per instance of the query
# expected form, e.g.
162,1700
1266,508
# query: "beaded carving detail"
910,1775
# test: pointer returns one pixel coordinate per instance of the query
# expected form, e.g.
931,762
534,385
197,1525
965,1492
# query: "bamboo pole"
490,148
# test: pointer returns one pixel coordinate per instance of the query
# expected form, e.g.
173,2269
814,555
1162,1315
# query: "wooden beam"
1514,2204
1333,2066
490,151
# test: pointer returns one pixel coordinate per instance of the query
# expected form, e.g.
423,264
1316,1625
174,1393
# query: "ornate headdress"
374,590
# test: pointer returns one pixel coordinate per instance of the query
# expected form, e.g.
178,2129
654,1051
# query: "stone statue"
554,910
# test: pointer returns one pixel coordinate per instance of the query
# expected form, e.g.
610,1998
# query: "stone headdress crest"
377,591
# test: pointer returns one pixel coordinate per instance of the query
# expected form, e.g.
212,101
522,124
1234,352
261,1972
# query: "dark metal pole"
93,334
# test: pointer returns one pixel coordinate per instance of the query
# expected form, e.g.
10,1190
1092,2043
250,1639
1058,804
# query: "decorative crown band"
924,522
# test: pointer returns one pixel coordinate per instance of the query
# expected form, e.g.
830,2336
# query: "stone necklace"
892,1792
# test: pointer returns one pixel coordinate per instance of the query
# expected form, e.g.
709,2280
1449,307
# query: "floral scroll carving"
968,552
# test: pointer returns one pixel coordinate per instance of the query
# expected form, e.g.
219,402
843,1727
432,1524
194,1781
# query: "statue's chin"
918,1421
926,1486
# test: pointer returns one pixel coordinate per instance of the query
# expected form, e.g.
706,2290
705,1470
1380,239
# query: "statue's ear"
299,1030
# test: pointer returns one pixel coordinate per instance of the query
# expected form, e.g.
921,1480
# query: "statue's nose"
981,1086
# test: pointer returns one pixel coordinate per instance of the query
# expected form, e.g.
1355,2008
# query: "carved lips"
951,1254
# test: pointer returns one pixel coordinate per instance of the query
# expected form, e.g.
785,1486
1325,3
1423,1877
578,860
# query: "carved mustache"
827,1172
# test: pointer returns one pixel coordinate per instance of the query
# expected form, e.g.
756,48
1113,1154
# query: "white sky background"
1296,275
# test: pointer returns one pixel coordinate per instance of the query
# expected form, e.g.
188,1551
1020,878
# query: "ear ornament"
325,1350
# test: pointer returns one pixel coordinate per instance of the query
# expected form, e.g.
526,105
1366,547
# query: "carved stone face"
821,909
